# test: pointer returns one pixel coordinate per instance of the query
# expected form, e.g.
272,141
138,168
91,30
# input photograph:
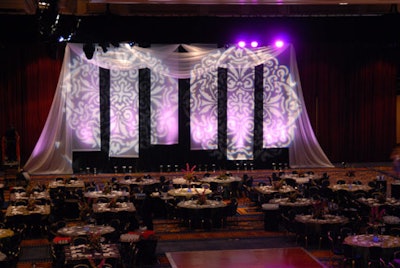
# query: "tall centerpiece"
189,175
376,220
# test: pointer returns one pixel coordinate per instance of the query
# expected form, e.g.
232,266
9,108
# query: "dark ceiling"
190,21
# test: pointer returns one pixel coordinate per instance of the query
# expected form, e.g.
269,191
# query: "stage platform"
254,258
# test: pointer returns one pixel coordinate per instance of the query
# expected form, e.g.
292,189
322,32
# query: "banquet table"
123,206
34,195
84,252
138,181
375,202
194,204
361,243
300,179
350,187
221,180
183,181
23,210
298,202
111,195
204,215
319,227
326,219
268,189
70,184
188,192
85,230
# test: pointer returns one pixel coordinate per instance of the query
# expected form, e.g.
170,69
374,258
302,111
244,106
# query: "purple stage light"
241,43
279,43
254,44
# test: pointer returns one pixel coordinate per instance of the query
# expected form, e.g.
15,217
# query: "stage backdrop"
260,89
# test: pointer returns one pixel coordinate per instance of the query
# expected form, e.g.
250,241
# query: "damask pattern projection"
204,111
163,108
240,113
83,104
281,105
124,113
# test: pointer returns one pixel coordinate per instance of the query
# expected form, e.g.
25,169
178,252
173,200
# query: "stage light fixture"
254,44
242,44
279,43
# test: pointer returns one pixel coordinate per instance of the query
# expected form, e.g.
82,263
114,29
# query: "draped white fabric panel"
83,104
282,96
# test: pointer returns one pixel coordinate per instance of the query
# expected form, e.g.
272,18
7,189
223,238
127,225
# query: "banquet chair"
395,231
81,265
79,240
230,211
336,246
374,256
396,259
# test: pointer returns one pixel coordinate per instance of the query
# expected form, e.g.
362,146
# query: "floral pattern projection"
83,104
75,112
281,105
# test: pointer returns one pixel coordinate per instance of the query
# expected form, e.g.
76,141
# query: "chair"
341,182
395,231
396,259
81,265
230,210
79,240
374,256
336,246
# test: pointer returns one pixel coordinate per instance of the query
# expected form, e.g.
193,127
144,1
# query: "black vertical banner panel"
222,114
258,111
144,116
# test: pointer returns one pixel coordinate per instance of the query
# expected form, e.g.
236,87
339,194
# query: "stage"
274,257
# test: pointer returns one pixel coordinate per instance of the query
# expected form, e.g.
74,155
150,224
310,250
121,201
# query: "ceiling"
216,8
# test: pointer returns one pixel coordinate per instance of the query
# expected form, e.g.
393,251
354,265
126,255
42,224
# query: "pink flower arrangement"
376,215
189,173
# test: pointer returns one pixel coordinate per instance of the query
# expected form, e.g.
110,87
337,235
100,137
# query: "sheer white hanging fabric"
53,151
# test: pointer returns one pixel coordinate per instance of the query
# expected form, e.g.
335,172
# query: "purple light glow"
241,43
279,43
254,44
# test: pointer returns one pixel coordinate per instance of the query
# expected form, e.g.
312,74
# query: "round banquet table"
193,204
84,230
362,243
188,192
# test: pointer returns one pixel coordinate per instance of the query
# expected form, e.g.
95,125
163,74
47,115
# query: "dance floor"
254,258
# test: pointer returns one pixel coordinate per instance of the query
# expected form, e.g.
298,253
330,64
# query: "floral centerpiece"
31,204
113,203
376,220
107,188
189,174
320,208
376,216
95,240
202,198
278,184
